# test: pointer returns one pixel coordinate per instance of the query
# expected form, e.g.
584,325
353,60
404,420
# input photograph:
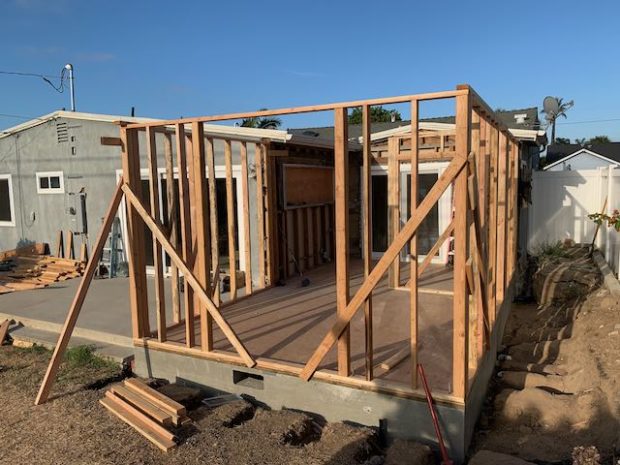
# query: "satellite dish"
551,106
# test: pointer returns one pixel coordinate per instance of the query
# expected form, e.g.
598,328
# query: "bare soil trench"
557,385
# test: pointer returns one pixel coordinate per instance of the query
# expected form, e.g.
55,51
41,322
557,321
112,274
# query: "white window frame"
11,201
444,203
220,173
50,190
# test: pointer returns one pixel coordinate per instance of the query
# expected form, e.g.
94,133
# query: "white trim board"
214,130
50,190
521,134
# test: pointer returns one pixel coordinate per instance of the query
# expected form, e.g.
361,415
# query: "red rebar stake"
445,460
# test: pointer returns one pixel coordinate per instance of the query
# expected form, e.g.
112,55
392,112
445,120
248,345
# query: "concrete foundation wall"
405,418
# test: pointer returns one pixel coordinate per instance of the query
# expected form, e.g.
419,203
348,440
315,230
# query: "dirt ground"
558,385
74,428
557,388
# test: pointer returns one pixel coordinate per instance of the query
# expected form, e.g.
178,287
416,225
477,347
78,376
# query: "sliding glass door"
432,226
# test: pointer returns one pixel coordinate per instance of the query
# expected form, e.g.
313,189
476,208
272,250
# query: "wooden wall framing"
483,169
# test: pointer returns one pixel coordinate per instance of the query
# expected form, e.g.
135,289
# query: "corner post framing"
130,159
460,336
341,160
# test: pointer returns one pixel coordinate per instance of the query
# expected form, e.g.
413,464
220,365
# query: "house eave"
249,134
524,135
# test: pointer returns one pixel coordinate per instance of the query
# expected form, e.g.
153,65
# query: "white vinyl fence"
561,202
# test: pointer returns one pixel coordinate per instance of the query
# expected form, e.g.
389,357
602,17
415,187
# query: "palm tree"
262,123
563,107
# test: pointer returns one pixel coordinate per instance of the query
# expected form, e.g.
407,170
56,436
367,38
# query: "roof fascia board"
28,124
407,128
210,129
521,134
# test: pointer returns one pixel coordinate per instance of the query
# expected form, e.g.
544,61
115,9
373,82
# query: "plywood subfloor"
287,323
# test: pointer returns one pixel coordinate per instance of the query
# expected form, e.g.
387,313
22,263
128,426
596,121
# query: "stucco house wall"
70,146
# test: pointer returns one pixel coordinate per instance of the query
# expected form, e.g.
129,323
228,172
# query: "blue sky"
171,59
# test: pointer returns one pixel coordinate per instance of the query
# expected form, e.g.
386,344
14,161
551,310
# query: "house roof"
560,152
523,118
527,129
71,115
215,129
529,117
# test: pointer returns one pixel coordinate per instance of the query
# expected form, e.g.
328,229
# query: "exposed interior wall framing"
272,239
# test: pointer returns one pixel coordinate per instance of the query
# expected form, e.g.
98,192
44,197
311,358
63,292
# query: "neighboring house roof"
523,124
214,129
523,118
560,153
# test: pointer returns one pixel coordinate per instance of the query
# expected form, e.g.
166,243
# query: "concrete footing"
402,418
609,279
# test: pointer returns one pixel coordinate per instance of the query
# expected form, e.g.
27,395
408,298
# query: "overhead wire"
12,116
60,88
590,121
18,73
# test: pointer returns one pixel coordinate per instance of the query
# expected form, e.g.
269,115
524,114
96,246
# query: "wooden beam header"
111,141
309,108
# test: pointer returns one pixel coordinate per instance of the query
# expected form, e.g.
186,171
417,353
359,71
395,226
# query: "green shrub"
84,356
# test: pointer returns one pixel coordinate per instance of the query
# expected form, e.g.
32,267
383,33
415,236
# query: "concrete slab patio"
104,321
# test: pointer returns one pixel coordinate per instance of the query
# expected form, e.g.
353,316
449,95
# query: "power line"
18,73
8,115
60,88
590,121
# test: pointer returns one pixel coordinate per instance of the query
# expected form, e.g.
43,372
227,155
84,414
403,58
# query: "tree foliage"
267,122
593,140
562,140
613,220
599,140
377,115
563,107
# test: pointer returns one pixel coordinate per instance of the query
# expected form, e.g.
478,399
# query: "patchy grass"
551,250
81,364
35,349
85,357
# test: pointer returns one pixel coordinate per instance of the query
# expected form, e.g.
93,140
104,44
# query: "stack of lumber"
36,271
148,411
33,249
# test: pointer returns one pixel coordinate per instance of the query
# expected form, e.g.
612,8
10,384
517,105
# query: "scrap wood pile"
147,410
4,328
27,268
